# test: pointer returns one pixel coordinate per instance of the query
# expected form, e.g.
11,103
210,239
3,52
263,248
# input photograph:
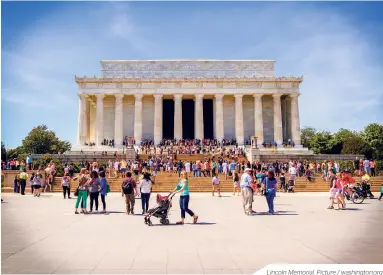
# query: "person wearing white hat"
247,192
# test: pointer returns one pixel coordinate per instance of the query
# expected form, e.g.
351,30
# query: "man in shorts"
216,185
293,174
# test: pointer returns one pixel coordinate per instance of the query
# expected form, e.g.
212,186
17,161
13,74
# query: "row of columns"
199,132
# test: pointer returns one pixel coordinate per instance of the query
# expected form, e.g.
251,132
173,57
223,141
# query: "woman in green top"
183,188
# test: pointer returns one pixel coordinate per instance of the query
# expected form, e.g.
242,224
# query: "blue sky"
337,47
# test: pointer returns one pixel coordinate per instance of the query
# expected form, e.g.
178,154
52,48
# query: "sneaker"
330,207
132,212
195,219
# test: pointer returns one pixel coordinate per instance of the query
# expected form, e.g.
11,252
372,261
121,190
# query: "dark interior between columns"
208,118
188,119
168,118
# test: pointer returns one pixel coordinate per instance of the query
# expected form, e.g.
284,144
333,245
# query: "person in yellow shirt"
365,177
23,181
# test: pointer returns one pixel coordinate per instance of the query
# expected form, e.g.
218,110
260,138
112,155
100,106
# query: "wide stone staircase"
165,182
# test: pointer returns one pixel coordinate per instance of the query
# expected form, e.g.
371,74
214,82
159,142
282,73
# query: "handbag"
76,192
108,189
264,191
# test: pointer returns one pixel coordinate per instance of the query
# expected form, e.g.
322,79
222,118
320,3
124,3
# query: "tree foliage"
373,135
356,145
368,142
40,140
3,152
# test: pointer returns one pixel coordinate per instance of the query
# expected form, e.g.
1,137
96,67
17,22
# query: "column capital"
276,95
218,96
100,96
158,96
199,96
82,96
295,95
138,97
177,96
257,96
119,96
238,96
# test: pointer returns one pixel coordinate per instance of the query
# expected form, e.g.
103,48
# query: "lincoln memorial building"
188,99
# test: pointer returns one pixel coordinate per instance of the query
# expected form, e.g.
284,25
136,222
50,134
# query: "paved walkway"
42,235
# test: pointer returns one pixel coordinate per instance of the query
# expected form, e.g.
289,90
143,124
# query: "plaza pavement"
42,235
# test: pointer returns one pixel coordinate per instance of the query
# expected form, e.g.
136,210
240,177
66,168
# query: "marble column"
239,131
118,120
178,116
258,119
278,136
82,120
100,119
295,124
198,117
157,119
219,128
138,118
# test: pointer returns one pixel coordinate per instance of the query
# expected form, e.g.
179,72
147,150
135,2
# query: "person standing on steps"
129,191
183,189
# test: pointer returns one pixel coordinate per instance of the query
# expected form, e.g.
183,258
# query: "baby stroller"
290,186
161,210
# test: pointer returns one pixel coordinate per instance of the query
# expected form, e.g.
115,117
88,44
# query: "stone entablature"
282,85
186,68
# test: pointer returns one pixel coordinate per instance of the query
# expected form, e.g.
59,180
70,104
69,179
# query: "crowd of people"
138,176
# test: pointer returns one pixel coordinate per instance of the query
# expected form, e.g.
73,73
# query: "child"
332,198
381,191
282,180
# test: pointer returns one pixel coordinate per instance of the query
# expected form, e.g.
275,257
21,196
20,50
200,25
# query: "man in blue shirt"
29,161
247,192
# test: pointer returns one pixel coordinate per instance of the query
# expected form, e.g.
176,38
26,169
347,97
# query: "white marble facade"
248,100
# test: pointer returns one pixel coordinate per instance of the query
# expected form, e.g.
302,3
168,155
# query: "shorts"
216,187
123,170
339,191
293,177
36,186
236,184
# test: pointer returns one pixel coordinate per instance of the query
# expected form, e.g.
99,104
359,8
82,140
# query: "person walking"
16,184
216,185
129,191
247,192
31,182
146,188
23,181
183,188
37,183
94,190
270,190
65,184
236,187
83,184
103,190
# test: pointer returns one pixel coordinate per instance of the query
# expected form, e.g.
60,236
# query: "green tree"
15,153
356,146
321,142
307,135
40,140
373,134
3,152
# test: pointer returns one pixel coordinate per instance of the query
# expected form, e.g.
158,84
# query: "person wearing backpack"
129,191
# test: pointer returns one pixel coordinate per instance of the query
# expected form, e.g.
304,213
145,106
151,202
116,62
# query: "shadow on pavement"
278,213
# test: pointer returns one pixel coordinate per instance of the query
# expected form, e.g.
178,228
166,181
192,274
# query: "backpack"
127,187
